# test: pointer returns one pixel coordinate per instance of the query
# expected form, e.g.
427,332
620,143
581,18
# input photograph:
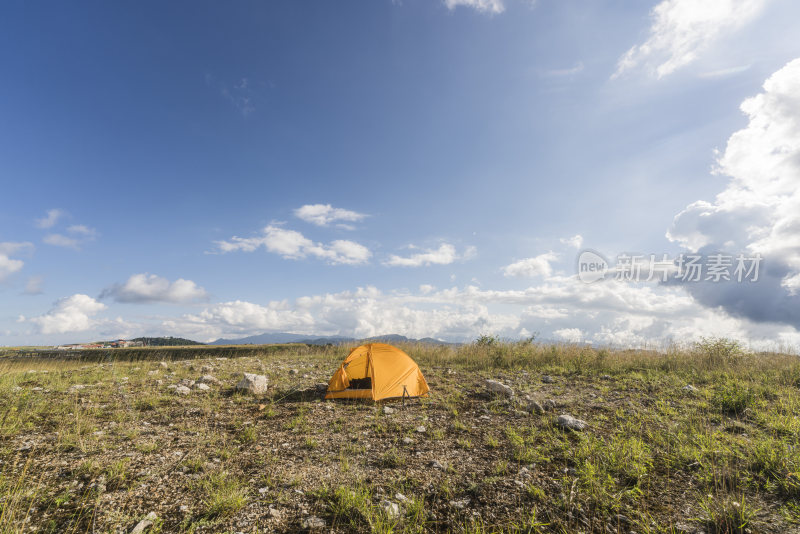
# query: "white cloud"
444,255
610,312
79,235
759,209
8,265
573,335
570,71
70,314
325,214
487,6
682,29
530,267
50,219
146,287
81,229
291,244
10,248
60,240
34,285
575,241
722,73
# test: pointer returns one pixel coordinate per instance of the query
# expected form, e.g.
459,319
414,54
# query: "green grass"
725,456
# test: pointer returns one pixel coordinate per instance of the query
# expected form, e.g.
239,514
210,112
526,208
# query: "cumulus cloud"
560,307
682,29
291,244
444,255
575,241
8,265
69,314
759,210
144,287
50,219
486,6
325,215
530,267
573,335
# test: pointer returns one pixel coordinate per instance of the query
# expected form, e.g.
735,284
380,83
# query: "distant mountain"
282,337
166,341
285,337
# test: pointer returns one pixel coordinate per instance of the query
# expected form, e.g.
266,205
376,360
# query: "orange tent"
377,371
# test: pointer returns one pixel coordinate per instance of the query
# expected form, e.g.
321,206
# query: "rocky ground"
176,447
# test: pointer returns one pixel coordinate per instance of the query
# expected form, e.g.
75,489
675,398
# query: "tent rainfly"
377,371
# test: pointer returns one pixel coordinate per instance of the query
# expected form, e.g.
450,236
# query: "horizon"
614,175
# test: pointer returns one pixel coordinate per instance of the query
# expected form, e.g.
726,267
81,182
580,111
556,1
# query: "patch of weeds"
535,492
732,398
194,465
501,468
117,474
393,458
791,512
725,514
146,447
464,444
310,443
224,495
247,434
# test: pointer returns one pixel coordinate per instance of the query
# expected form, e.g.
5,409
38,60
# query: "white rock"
313,522
547,379
208,379
182,390
567,421
201,387
421,429
391,509
496,387
144,523
400,497
407,440
252,383
690,388
388,410
460,505
163,365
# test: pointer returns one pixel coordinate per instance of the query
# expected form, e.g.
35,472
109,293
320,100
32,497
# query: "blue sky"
363,168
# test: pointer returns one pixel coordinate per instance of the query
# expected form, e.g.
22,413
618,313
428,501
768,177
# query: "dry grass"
656,458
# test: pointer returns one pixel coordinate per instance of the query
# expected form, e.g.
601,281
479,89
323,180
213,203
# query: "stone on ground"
497,387
567,421
252,383
391,509
182,390
144,523
313,522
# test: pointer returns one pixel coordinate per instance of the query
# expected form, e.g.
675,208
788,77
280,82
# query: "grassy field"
97,446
